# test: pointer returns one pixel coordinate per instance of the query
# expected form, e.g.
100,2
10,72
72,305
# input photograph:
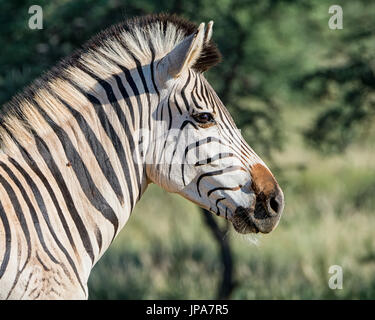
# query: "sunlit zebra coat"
81,144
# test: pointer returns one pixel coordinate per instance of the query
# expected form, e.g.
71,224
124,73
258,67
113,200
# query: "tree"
346,86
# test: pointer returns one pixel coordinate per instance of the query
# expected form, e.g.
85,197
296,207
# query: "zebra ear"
208,33
184,54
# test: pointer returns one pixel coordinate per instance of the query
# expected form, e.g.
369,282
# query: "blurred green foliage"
287,79
345,82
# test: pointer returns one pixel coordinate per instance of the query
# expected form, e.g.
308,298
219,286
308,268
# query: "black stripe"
30,161
152,68
43,209
183,173
198,91
215,173
32,211
201,142
194,91
183,92
233,145
126,96
133,86
209,96
26,287
83,175
176,103
99,237
8,239
41,262
195,145
98,151
117,144
52,166
21,218
214,158
216,204
223,188
226,119
145,87
184,124
203,94
206,95
169,113
163,106
19,270
120,114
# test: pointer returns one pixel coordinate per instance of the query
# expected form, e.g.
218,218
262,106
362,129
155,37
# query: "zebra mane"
134,41
160,31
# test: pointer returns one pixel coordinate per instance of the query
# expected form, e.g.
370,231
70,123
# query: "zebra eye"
203,117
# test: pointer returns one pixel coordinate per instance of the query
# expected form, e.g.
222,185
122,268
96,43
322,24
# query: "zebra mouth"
242,221
263,216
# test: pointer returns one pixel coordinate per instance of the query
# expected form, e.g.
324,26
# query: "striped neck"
82,168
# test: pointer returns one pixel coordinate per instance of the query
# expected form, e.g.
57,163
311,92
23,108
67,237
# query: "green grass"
166,252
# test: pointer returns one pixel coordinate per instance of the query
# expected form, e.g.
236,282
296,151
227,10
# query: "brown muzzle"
265,212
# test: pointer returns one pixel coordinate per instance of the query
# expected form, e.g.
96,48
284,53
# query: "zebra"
82,142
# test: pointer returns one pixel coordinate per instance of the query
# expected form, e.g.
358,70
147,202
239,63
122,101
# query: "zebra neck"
77,178
102,159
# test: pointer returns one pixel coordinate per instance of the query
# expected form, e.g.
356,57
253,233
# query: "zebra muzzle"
262,216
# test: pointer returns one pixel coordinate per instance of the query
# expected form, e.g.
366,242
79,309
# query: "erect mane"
209,57
138,39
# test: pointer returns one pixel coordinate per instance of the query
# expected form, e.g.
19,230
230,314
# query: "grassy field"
166,252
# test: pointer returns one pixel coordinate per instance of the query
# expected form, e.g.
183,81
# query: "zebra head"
197,150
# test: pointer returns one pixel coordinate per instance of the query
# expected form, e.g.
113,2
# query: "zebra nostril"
274,204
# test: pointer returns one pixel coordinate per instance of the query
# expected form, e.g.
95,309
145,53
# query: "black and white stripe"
73,165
